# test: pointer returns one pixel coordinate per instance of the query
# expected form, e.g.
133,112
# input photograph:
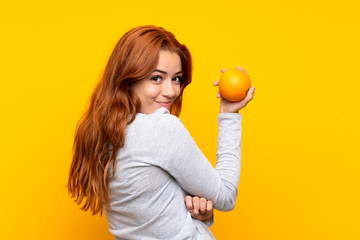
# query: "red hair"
112,107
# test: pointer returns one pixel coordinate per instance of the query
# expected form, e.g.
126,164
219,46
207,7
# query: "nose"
168,89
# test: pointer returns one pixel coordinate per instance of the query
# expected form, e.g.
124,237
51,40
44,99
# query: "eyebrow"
160,71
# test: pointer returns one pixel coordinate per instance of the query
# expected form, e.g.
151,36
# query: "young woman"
134,158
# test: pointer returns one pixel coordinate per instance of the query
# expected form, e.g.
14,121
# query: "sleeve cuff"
210,222
229,115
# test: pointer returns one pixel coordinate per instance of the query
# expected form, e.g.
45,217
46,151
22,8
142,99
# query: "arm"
180,156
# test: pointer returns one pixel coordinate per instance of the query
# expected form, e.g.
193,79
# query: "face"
162,87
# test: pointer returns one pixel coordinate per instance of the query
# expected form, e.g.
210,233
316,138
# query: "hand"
234,107
200,208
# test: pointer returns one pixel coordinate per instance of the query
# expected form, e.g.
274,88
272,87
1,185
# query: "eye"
156,78
178,79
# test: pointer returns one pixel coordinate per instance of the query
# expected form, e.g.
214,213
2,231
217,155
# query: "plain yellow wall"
300,166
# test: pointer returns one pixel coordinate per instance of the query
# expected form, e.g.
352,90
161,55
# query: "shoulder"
166,122
149,131
154,125
165,118
160,124
170,128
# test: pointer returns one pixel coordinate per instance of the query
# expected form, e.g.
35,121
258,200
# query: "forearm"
228,158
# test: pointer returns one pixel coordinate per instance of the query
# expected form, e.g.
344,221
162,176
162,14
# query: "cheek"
152,91
149,92
144,90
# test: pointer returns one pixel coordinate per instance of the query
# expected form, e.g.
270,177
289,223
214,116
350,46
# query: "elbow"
230,205
226,207
227,203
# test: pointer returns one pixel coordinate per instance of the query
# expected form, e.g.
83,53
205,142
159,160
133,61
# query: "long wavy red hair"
101,130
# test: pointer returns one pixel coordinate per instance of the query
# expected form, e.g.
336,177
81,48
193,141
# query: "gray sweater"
158,166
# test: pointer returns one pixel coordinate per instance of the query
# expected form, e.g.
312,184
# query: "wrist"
224,111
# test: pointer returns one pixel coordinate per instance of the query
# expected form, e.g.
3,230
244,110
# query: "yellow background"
300,166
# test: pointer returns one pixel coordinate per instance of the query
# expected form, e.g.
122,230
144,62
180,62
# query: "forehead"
169,61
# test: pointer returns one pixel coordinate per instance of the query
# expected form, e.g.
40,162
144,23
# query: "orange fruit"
233,85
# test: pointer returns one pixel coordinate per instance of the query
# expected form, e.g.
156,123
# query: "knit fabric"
158,166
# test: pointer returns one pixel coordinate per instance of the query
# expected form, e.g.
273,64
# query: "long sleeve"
177,153
158,164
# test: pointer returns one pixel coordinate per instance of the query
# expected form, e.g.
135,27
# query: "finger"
209,206
195,215
249,95
196,212
188,203
202,205
251,92
223,70
218,94
196,204
216,82
240,68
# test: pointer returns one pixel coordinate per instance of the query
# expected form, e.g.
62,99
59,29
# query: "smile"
165,104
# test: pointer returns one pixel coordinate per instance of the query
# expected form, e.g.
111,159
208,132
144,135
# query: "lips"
165,104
